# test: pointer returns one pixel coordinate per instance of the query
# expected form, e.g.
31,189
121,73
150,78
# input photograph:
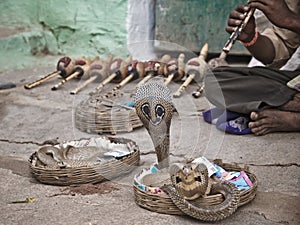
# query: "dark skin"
287,116
277,12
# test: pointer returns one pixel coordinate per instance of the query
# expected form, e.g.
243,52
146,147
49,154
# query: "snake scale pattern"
189,182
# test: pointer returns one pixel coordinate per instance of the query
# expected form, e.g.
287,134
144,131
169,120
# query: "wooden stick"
198,92
144,80
105,82
124,82
169,78
73,75
84,84
181,89
42,80
191,75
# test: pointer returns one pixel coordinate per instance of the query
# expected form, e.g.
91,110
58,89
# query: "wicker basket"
99,114
157,201
79,174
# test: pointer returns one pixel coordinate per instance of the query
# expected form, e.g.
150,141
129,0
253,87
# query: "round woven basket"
100,114
106,169
157,201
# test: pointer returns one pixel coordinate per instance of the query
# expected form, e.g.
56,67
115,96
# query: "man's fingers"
233,22
239,12
260,2
258,5
230,29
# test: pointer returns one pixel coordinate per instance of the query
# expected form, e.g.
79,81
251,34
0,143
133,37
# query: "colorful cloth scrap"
240,179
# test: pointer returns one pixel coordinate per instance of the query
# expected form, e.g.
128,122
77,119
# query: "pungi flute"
174,69
117,73
220,61
98,71
134,71
190,71
154,68
64,68
80,69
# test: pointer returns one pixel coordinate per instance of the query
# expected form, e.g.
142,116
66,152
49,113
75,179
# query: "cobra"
153,104
189,182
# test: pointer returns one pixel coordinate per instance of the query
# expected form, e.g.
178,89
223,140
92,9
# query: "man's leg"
244,90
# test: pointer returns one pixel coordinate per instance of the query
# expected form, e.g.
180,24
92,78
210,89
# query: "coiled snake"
189,182
69,156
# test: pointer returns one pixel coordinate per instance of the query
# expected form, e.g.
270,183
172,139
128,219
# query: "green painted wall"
71,27
191,23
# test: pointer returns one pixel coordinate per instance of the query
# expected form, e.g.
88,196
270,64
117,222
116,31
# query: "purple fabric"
212,114
230,122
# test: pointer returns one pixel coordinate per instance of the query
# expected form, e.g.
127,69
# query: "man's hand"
236,17
278,12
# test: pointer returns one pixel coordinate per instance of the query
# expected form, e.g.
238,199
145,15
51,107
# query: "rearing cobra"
153,103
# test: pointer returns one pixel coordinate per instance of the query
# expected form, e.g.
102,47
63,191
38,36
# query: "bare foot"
274,120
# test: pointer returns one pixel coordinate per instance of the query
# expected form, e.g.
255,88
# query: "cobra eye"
159,110
146,110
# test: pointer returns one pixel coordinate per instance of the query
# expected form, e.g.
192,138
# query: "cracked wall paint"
75,28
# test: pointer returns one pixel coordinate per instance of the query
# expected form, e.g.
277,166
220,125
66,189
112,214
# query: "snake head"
191,179
189,172
153,103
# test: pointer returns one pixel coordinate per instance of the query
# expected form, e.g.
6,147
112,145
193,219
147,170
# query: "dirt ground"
30,118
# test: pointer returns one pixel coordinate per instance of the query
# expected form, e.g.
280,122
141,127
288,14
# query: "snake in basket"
189,182
68,156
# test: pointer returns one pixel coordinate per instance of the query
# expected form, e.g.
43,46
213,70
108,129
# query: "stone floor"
31,117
